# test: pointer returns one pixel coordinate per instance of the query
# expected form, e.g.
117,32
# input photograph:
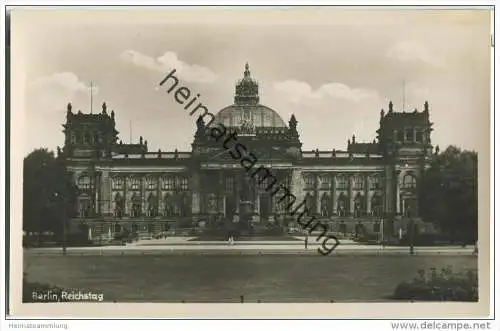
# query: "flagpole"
404,95
91,90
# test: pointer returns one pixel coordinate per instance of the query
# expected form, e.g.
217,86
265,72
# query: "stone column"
237,180
334,194
158,194
367,194
142,194
317,193
195,192
125,197
105,199
350,194
257,203
96,193
396,180
297,185
224,205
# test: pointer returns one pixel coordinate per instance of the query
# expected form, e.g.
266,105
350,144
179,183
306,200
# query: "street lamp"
56,195
412,232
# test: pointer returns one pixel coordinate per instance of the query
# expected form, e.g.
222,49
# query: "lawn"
269,278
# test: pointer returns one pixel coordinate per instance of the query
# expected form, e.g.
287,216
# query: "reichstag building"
369,185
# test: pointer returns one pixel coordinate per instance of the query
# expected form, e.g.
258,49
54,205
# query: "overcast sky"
334,69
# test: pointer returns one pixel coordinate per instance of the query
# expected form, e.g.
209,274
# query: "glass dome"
259,115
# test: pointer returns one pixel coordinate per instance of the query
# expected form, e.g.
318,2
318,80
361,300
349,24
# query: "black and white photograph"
252,155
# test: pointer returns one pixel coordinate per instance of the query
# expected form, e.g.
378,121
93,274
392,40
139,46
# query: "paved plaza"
186,245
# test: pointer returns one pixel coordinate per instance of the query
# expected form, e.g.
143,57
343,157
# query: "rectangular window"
409,135
376,227
229,184
168,183
342,183
324,182
183,183
420,136
358,183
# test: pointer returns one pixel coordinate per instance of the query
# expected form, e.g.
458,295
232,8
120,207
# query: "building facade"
369,185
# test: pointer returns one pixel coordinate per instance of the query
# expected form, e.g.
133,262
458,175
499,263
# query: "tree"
48,193
449,193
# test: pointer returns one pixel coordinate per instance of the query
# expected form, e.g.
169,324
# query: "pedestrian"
306,239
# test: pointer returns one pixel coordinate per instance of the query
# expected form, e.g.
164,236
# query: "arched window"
324,182
119,205
134,183
87,138
409,182
359,205
84,206
172,205
168,183
84,182
117,183
211,203
325,205
73,138
185,206
309,181
136,206
342,183
376,205
183,183
118,228
151,183
375,182
358,183
152,205
342,204
309,205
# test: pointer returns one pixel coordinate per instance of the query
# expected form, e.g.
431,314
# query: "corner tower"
89,136
405,141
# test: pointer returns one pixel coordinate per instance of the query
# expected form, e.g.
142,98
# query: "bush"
446,286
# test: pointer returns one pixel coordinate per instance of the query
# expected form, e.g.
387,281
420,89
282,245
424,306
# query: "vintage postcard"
258,162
